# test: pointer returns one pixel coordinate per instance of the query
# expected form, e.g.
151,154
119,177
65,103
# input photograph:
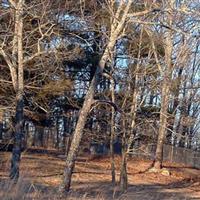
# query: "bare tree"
16,67
165,88
118,22
28,35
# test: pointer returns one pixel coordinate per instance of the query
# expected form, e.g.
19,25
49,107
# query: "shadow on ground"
104,190
97,190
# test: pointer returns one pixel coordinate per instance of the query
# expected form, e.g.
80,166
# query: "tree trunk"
112,135
116,28
123,170
165,91
18,136
57,145
127,143
19,117
30,138
123,173
70,162
163,124
173,121
41,136
1,131
67,145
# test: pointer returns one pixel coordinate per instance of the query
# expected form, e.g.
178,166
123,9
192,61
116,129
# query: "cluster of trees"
102,70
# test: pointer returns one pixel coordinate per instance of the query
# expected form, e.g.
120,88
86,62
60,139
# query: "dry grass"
41,174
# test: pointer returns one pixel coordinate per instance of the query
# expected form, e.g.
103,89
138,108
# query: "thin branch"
36,55
141,13
12,3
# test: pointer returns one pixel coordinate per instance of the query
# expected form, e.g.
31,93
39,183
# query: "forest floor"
41,174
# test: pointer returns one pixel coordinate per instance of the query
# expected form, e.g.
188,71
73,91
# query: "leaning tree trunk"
73,151
19,118
116,28
72,154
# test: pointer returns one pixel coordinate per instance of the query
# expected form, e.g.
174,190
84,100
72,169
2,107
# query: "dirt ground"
41,174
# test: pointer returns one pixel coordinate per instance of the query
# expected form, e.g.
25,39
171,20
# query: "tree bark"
123,171
163,125
1,131
17,146
70,162
165,91
127,143
116,29
112,135
19,117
